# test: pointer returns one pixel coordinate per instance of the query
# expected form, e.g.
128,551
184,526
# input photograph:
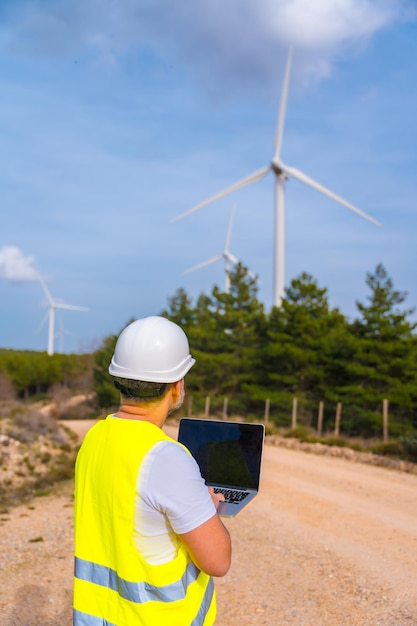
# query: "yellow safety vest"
113,585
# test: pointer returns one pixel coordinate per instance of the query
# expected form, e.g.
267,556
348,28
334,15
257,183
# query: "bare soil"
327,542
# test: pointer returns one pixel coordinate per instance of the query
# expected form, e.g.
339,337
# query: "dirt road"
327,542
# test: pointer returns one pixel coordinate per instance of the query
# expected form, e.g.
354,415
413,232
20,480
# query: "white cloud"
14,265
240,42
325,23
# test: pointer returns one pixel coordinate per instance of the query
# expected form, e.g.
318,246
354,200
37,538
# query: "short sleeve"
170,482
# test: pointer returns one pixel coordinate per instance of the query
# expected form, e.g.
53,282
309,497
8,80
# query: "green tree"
107,395
304,337
385,353
34,372
180,310
303,349
223,333
239,318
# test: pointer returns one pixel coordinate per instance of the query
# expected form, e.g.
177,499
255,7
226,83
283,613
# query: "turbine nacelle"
278,168
228,257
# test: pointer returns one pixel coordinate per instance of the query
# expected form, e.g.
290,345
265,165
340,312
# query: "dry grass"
35,452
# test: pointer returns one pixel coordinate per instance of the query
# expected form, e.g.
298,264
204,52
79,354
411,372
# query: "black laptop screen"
228,453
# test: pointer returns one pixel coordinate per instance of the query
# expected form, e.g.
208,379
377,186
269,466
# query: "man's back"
113,581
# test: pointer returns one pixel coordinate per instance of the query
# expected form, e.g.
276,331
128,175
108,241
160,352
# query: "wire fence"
335,419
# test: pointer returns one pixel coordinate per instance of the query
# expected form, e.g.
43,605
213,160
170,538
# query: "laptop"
229,456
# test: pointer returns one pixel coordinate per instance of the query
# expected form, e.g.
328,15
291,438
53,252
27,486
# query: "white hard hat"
152,349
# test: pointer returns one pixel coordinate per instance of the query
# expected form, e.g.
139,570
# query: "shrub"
392,448
338,442
271,429
300,432
409,447
27,424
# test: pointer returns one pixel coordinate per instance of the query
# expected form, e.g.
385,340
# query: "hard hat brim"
170,376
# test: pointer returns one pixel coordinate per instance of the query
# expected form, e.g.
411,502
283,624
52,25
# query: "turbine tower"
60,335
52,306
228,257
282,172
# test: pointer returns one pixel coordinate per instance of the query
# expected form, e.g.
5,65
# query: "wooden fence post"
266,414
207,407
385,405
320,419
294,414
337,421
225,408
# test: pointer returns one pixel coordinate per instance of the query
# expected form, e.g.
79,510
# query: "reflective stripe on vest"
138,591
205,605
83,619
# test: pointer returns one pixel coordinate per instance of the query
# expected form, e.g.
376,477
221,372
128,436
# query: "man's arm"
171,482
210,547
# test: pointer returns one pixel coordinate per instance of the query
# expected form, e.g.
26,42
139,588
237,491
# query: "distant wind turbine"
60,335
52,306
282,173
228,257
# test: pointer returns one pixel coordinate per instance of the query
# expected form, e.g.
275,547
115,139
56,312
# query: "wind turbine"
228,257
60,335
282,172
52,306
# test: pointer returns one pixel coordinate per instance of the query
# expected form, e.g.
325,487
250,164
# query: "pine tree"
385,364
305,339
223,331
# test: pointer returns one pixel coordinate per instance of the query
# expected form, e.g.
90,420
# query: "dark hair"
140,389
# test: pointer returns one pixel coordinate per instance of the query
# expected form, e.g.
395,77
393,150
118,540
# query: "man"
148,538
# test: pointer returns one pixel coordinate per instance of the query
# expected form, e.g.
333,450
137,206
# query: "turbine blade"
45,290
231,257
45,317
303,178
203,264
71,307
283,105
252,178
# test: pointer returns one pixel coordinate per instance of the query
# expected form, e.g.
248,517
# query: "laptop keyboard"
231,495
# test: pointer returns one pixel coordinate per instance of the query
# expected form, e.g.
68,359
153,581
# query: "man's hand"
216,497
209,545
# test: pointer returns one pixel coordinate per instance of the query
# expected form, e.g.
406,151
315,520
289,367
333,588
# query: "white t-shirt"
171,499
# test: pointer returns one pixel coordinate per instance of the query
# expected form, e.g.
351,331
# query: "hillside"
35,451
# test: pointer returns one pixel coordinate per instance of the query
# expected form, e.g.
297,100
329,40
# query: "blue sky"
117,116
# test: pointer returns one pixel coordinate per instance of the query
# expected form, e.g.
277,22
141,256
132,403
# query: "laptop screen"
228,453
